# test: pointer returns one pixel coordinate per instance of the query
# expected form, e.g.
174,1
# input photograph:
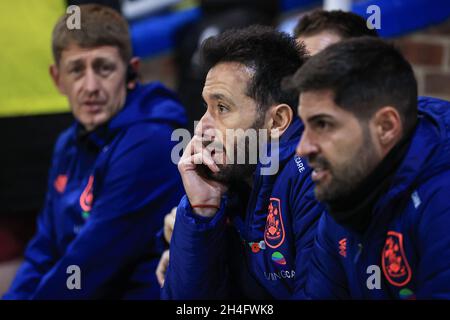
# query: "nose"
91,81
205,127
306,147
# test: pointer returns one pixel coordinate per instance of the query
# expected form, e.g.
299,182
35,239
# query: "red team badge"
60,183
274,231
87,197
395,265
343,247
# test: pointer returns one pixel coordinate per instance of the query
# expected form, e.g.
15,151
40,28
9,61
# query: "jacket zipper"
358,254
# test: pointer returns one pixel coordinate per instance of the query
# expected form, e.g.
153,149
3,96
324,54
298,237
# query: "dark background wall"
26,148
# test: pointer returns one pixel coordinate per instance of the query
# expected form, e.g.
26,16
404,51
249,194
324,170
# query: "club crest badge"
87,196
274,231
395,265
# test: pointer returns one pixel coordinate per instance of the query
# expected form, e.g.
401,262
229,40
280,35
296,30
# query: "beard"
234,173
229,173
346,178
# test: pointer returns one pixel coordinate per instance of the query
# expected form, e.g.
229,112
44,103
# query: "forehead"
319,41
76,53
315,103
228,79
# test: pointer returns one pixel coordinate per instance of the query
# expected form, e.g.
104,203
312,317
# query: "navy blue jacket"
257,247
107,195
408,241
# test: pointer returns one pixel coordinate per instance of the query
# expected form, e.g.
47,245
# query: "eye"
106,69
76,70
222,108
322,124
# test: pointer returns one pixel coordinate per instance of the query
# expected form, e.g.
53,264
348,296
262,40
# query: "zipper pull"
358,254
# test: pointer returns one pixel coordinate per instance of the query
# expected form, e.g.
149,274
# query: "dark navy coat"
108,192
408,241
254,247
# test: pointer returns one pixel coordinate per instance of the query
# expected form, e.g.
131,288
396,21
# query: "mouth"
319,174
93,106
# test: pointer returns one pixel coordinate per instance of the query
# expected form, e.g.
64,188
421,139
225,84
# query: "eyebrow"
74,62
96,61
219,96
320,116
103,60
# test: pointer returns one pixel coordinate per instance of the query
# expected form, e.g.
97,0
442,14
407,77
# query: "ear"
280,118
388,126
135,65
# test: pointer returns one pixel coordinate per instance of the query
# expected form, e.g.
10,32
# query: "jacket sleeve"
326,277
197,267
433,270
128,209
306,214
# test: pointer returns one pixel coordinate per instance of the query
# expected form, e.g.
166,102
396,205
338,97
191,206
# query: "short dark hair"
364,74
345,24
272,54
99,26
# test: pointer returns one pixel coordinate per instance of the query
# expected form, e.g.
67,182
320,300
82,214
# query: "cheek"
117,93
221,136
121,96
228,143
242,118
70,89
119,83
340,154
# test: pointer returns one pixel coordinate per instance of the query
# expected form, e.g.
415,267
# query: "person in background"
320,28
111,179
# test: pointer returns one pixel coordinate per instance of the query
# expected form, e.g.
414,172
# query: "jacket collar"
257,205
427,156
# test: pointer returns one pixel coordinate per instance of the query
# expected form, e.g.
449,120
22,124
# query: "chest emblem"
395,265
274,231
60,183
87,197
343,247
278,258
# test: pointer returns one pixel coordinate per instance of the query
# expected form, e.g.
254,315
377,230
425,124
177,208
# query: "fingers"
196,153
161,269
206,159
169,223
170,217
197,144
189,162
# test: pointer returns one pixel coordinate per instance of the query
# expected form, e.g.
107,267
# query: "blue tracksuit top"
408,240
108,192
256,248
